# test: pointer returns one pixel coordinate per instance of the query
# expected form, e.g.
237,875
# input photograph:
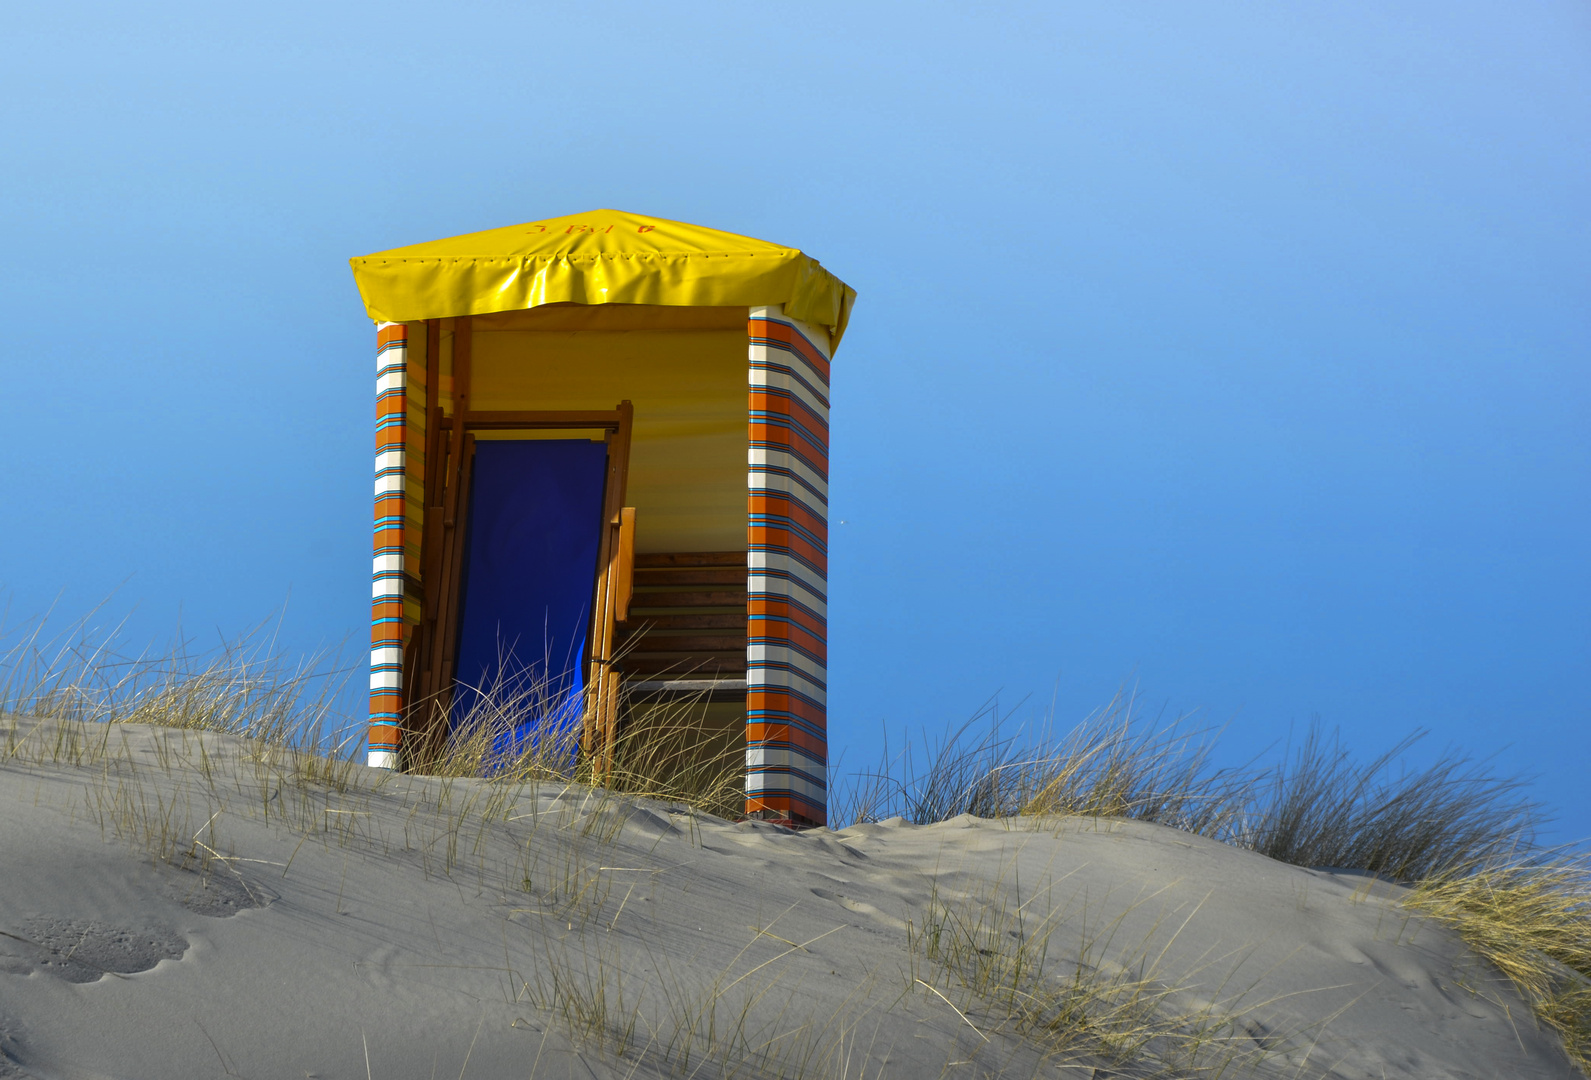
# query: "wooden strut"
452,599
530,420
611,603
416,673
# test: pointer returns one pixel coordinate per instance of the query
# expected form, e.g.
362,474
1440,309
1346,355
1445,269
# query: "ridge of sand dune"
178,904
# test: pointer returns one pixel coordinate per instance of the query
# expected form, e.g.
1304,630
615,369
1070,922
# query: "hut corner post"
787,571
386,602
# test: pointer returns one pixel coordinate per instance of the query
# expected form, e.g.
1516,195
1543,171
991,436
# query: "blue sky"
1236,351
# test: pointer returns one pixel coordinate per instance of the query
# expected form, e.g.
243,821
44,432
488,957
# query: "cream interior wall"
688,385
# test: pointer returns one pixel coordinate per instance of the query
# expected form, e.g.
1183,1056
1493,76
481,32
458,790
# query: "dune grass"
1460,836
1323,808
1095,998
244,686
1530,918
1110,765
1320,807
248,687
659,757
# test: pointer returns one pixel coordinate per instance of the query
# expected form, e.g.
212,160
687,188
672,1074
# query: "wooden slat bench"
687,623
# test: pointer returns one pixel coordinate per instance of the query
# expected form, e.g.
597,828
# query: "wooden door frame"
450,445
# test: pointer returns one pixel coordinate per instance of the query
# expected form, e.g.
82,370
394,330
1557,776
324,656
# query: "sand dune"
177,904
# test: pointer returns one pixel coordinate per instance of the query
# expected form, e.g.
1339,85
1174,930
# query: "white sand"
651,942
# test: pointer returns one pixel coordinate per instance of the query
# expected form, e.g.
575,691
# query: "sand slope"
435,928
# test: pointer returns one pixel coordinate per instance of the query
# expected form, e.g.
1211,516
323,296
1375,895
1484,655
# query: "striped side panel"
788,569
386,590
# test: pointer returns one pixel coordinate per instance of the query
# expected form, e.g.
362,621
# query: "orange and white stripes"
787,570
386,592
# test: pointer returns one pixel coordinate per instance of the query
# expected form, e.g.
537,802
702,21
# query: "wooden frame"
432,656
567,419
429,696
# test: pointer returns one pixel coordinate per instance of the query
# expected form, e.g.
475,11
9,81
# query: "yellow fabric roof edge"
600,257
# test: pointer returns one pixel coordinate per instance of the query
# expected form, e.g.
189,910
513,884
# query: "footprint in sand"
10,1067
859,907
219,894
86,950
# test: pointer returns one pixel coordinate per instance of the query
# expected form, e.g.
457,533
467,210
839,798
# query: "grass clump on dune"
1320,807
243,686
1108,766
248,687
1095,1001
669,755
1326,809
1460,836
1531,920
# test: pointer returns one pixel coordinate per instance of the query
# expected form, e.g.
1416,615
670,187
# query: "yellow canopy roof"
601,257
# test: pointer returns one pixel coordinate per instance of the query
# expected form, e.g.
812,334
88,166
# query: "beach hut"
602,480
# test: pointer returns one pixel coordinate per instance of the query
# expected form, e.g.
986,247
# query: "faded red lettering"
644,228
